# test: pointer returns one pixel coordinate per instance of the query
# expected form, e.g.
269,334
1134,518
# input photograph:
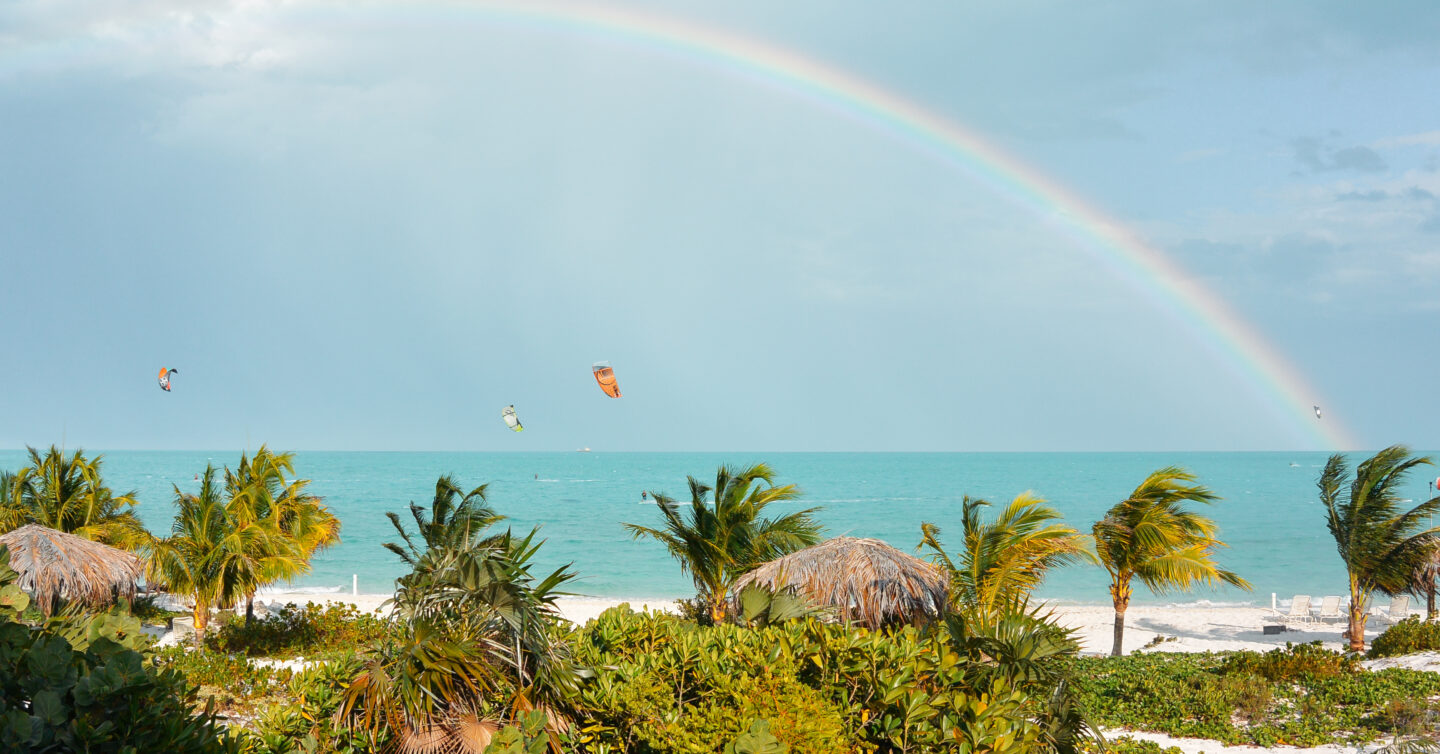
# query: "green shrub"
56,698
1291,663
299,631
1407,637
305,722
1128,745
664,684
234,676
1220,697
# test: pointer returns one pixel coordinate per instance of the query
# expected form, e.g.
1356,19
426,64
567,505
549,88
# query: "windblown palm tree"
288,524
1001,562
456,519
1150,536
724,539
1426,579
201,558
1381,543
67,493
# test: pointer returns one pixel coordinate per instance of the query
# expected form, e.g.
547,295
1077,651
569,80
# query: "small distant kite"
511,420
165,378
605,376
1317,411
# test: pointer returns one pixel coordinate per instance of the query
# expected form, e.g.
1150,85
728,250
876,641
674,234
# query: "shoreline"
1184,627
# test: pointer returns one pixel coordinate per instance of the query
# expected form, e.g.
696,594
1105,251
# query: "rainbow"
1240,345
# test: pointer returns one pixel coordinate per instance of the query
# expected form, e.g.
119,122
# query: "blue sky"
371,227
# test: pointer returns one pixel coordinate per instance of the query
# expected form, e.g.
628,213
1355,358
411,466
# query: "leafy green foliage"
1316,697
761,606
529,737
663,684
102,698
306,631
1407,637
1291,664
757,740
305,724
233,676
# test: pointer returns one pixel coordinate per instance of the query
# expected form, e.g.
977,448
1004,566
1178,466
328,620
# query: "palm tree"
12,516
1425,579
455,519
724,539
477,624
200,558
1381,543
1151,536
68,494
290,525
1003,561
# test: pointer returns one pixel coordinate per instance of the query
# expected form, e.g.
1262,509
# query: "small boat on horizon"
583,450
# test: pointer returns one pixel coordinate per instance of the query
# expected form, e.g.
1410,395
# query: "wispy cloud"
1424,139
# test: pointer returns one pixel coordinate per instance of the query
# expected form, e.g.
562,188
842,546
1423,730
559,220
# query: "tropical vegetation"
1382,543
476,641
1151,536
283,524
67,493
1001,562
471,654
81,682
723,538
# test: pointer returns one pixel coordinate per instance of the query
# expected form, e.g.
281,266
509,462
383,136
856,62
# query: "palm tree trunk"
1117,649
202,621
1357,617
1430,602
717,612
1120,594
249,608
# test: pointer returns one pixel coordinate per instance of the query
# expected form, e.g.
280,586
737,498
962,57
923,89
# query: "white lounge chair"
1330,610
1399,610
1299,610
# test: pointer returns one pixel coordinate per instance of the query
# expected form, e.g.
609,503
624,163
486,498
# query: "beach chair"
1399,610
1299,610
1330,610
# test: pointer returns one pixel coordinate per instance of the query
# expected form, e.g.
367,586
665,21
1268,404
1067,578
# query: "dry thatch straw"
54,565
864,580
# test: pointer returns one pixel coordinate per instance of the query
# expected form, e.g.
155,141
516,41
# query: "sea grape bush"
1407,637
1294,662
1312,697
299,631
664,684
72,684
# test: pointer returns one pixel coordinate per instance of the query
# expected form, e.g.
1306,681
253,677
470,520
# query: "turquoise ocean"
1269,515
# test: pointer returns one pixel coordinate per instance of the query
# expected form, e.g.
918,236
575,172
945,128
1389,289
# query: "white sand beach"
1194,627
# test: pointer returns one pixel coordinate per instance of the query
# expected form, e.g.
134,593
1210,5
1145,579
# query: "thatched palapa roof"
54,565
864,580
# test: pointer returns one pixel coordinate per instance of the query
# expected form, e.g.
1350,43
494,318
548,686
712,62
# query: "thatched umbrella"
863,580
54,565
